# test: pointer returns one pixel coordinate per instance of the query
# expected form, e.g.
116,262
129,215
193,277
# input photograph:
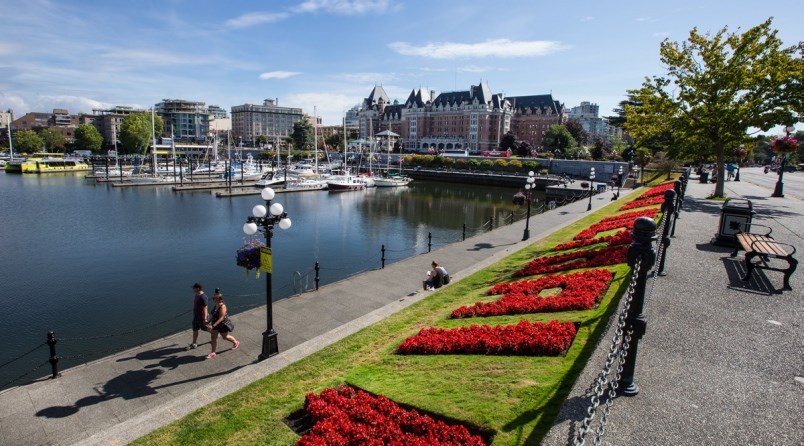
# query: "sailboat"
13,165
391,179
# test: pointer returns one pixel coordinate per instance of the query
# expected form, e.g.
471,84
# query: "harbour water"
110,268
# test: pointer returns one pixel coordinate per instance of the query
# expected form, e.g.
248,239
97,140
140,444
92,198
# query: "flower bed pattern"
552,338
654,195
621,238
618,221
346,416
610,255
580,291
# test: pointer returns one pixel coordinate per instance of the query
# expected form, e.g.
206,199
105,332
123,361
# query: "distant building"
108,122
185,121
587,115
352,119
6,117
276,123
533,115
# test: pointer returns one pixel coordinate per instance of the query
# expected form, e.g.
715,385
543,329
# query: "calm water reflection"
87,260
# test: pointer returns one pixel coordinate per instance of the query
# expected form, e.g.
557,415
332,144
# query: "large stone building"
475,119
250,121
185,121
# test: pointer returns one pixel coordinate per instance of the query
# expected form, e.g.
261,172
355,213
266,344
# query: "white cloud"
344,7
661,34
329,106
255,18
278,74
8,48
368,78
475,69
504,48
75,104
15,103
587,18
433,70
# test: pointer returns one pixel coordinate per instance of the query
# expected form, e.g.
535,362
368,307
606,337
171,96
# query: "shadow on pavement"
759,283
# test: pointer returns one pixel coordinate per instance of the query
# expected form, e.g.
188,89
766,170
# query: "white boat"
346,182
306,184
244,171
392,181
271,178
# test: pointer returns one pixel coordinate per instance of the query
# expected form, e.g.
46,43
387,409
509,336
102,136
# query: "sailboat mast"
315,136
153,136
10,139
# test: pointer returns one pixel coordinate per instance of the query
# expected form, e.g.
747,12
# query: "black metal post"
317,277
54,359
589,208
382,250
463,237
677,187
641,250
491,223
737,175
270,344
778,191
670,215
429,241
526,234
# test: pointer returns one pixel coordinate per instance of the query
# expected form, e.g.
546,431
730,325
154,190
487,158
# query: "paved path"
722,361
122,397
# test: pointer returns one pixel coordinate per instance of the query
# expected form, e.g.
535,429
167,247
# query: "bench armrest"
761,226
789,254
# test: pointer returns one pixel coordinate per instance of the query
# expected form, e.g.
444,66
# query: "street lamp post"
778,191
591,185
262,220
528,196
619,180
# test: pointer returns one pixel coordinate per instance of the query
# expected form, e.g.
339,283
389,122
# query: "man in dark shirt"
200,315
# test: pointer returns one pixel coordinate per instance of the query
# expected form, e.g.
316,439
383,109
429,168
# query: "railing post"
677,205
383,256
54,359
429,241
491,223
641,250
317,276
668,210
463,237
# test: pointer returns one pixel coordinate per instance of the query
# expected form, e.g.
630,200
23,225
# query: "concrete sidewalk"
721,362
122,397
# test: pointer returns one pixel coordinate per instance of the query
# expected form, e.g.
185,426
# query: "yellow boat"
43,162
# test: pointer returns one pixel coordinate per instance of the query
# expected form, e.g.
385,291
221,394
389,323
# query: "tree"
54,141
27,141
334,140
262,140
716,88
522,148
508,141
136,132
642,157
601,148
576,130
87,137
302,135
558,138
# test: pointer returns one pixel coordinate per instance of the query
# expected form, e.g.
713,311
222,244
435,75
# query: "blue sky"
87,54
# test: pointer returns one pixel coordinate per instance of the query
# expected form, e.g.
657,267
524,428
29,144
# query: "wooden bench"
765,247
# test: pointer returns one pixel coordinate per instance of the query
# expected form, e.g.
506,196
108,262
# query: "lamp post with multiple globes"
262,220
531,183
619,180
591,185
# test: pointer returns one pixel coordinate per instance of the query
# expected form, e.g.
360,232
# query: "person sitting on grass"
436,277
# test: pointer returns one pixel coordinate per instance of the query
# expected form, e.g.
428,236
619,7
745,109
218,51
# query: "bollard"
641,250
429,241
54,360
677,187
512,218
383,256
317,277
668,208
463,237
491,223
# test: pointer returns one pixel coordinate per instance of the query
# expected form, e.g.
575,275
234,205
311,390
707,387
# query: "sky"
327,55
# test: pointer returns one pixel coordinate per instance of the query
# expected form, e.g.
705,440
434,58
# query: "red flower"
580,291
610,255
346,416
552,338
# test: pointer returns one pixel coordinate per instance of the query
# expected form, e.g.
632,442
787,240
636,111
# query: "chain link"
614,353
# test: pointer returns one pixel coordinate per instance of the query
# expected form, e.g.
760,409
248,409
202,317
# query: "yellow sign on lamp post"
266,260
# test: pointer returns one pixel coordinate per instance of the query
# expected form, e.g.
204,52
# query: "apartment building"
250,121
185,121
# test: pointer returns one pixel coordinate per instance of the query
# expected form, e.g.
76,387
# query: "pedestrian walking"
200,313
219,320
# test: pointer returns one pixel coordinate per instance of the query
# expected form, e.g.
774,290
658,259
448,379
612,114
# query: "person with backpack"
436,277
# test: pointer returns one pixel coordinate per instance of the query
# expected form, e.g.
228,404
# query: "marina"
93,259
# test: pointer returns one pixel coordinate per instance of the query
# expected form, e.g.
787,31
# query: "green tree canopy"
558,138
87,137
715,89
136,133
54,141
302,135
575,128
27,141
508,141
262,140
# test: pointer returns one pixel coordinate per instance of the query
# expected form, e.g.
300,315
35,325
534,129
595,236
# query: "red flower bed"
624,221
346,416
656,191
642,203
552,338
580,291
610,255
621,238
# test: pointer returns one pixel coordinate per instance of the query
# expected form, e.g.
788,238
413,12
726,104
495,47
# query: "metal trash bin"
735,216
704,177
601,187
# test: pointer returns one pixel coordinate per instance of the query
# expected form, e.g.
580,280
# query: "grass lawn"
516,396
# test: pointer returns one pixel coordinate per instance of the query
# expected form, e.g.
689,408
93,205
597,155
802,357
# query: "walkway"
722,360
122,397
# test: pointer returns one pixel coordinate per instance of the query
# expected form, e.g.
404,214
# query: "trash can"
735,216
704,177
